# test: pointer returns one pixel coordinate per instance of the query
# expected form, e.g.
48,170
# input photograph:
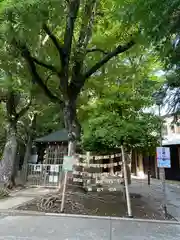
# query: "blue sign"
163,157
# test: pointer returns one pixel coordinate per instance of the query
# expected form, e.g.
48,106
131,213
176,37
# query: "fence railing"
91,167
47,175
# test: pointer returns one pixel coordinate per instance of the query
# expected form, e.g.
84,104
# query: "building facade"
171,138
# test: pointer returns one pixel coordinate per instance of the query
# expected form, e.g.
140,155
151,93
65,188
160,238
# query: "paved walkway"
69,228
154,195
22,196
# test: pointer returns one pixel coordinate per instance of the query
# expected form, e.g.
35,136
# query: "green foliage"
23,21
156,20
116,114
120,90
159,26
111,130
49,119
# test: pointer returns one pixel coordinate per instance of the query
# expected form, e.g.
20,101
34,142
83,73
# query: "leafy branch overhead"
78,23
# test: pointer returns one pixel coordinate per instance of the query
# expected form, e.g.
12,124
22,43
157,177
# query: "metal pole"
149,170
126,184
162,173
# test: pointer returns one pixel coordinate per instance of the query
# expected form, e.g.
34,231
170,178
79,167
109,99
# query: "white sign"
68,163
53,179
54,168
37,168
163,157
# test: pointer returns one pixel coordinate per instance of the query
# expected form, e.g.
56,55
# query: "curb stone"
13,212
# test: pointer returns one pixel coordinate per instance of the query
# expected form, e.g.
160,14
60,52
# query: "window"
172,129
164,130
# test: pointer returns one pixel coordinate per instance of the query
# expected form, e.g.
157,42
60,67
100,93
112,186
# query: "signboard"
163,157
53,179
37,167
68,163
33,158
54,168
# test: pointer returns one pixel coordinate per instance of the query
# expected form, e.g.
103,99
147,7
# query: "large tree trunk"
72,125
8,162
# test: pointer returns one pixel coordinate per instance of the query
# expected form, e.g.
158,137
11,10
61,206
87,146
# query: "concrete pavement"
22,196
173,200
71,228
154,194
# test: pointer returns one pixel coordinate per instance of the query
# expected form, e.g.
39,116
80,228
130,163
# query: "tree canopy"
90,62
118,118
58,45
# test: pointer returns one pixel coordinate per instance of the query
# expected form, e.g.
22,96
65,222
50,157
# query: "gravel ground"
93,203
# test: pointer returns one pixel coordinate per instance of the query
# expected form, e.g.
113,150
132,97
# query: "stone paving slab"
49,228
135,230
33,192
12,202
68,228
22,196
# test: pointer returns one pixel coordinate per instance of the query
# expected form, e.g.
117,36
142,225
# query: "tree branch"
33,71
77,84
58,46
68,36
24,110
81,47
10,105
45,65
3,96
107,57
96,50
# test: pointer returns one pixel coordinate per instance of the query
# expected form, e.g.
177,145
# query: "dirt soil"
94,203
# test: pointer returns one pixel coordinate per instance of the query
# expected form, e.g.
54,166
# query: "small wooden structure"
46,168
52,147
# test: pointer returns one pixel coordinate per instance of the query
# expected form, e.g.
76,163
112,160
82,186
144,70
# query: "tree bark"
72,125
26,158
32,127
8,162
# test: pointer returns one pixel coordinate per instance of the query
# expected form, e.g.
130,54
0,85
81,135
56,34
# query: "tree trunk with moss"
8,164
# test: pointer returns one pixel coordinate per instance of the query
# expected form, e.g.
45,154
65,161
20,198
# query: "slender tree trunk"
25,162
32,127
8,162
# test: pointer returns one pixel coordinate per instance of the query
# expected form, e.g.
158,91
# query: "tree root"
10,184
53,202
3,193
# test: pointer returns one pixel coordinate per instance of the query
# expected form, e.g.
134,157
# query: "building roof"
58,136
173,139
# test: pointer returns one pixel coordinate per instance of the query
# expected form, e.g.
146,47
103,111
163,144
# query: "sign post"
128,200
163,161
68,163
